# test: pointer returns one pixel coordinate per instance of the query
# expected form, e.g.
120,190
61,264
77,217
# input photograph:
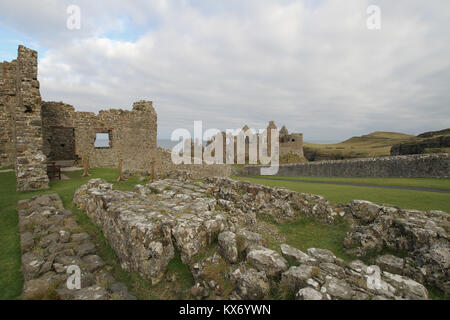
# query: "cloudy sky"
311,65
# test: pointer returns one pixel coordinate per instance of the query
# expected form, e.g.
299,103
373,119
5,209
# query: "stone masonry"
51,242
70,135
20,109
411,166
147,226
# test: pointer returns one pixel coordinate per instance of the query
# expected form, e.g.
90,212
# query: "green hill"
375,144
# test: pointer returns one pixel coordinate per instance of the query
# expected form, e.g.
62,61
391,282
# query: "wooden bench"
53,170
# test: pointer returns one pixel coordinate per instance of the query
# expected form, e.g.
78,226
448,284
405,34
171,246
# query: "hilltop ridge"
375,144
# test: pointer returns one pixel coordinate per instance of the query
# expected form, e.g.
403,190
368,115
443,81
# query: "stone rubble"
51,242
424,236
212,225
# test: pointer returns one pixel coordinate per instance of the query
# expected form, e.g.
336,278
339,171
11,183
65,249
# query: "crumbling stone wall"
412,166
20,106
132,134
164,166
50,243
146,225
291,144
7,100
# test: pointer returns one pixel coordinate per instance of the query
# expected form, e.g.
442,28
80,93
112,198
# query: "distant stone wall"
20,109
132,134
426,165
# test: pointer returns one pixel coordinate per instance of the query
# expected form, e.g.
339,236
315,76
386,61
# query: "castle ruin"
34,133
289,144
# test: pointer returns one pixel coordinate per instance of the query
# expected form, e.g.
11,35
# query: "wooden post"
85,166
120,177
153,171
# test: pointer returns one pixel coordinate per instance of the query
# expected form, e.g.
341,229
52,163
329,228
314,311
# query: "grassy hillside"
375,144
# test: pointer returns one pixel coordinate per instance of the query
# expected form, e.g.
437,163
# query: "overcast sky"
311,65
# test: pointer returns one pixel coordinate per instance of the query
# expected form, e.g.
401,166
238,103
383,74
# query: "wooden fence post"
120,177
85,166
153,171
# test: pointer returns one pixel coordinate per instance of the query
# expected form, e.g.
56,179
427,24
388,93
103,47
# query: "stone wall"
219,227
132,134
164,166
427,165
291,144
51,242
7,101
20,105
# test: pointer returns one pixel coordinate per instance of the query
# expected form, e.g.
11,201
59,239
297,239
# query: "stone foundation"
51,242
423,235
145,227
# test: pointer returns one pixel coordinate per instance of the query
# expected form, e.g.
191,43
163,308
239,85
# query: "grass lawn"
433,183
406,199
11,279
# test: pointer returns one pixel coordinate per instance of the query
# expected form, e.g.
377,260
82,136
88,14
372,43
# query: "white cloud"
316,69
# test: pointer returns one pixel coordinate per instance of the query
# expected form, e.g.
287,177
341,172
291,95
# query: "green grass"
406,199
11,280
433,183
306,232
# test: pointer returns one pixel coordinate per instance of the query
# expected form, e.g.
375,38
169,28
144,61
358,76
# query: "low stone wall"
411,166
425,236
51,241
165,167
145,226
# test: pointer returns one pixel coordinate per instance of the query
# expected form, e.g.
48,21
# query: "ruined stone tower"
21,122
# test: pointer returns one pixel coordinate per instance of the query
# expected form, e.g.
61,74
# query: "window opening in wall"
102,140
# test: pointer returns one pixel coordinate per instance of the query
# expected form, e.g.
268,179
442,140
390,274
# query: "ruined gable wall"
132,133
